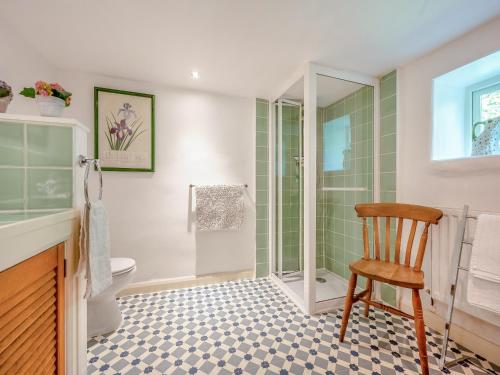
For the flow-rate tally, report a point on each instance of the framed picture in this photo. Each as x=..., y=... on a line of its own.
x=124, y=130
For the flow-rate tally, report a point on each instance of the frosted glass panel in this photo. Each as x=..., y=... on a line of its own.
x=50, y=188
x=50, y=146
x=11, y=144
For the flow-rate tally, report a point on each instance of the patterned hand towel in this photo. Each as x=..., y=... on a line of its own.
x=219, y=207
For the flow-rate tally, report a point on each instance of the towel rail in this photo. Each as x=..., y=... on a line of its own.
x=87, y=163
x=460, y=241
x=192, y=185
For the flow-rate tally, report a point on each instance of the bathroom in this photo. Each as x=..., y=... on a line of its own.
x=267, y=100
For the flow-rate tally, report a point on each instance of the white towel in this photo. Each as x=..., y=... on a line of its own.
x=219, y=207
x=95, y=252
x=483, y=287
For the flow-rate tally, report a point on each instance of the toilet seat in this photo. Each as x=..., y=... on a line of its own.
x=119, y=266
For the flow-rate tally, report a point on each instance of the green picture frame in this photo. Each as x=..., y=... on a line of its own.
x=121, y=139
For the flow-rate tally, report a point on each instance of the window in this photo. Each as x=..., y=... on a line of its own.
x=485, y=106
x=336, y=144
x=466, y=111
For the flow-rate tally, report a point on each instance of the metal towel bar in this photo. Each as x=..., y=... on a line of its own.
x=192, y=186
x=460, y=241
x=87, y=163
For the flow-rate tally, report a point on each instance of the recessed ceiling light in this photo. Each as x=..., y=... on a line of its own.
x=195, y=75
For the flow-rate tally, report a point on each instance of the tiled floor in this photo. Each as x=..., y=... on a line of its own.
x=250, y=327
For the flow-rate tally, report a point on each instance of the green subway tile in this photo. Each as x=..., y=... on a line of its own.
x=388, y=181
x=261, y=139
x=50, y=188
x=262, y=226
x=261, y=154
x=11, y=144
x=262, y=256
x=261, y=211
x=387, y=196
x=261, y=197
x=261, y=182
x=388, y=87
x=388, y=124
x=11, y=189
x=50, y=146
x=261, y=168
x=262, y=270
x=261, y=108
x=388, y=294
x=388, y=106
x=388, y=144
x=388, y=163
x=262, y=240
x=261, y=124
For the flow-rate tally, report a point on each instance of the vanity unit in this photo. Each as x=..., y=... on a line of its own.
x=42, y=309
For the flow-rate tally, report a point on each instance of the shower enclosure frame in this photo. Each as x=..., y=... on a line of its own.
x=310, y=73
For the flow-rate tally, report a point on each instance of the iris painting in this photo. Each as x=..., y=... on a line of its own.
x=123, y=128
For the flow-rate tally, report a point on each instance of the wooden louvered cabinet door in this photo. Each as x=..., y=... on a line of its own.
x=32, y=315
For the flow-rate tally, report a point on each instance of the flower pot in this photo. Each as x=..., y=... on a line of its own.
x=50, y=105
x=4, y=103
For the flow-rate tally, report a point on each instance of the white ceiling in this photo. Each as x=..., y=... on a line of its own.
x=240, y=47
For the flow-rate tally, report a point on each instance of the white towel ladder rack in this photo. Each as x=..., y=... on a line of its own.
x=456, y=267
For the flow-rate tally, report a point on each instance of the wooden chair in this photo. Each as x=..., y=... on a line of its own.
x=392, y=272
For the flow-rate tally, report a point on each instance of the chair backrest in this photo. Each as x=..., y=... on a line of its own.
x=415, y=213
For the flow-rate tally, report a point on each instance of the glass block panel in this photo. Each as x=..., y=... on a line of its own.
x=50, y=188
x=11, y=144
x=11, y=189
x=50, y=146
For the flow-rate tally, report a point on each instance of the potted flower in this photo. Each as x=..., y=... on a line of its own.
x=50, y=97
x=5, y=96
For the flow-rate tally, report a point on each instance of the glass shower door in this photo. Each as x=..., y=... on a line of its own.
x=289, y=190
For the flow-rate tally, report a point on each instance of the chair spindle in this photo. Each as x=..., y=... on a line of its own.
x=376, y=238
x=388, y=239
x=409, y=246
x=397, y=248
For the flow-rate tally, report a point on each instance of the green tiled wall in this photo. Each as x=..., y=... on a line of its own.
x=262, y=178
x=339, y=235
x=35, y=166
x=388, y=160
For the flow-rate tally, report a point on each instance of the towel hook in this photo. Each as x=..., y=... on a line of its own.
x=87, y=163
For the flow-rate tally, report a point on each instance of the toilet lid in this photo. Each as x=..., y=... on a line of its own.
x=121, y=265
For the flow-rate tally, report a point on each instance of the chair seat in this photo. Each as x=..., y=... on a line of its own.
x=390, y=273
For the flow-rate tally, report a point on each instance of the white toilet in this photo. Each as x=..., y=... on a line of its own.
x=103, y=313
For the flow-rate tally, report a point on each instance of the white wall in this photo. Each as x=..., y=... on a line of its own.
x=201, y=138
x=418, y=182
x=21, y=66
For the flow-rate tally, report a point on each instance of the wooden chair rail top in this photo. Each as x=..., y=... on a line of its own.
x=406, y=211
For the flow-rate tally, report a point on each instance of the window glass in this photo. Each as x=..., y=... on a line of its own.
x=336, y=143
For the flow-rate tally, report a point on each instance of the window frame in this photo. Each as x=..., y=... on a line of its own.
x=472, y=106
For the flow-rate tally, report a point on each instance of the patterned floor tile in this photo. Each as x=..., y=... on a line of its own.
x=251, y=327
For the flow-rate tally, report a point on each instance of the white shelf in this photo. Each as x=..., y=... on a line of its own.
x=42, y=120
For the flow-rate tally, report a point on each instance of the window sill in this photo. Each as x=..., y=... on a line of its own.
x=469, y=165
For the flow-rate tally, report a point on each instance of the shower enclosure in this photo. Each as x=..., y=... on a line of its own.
x=324, y=141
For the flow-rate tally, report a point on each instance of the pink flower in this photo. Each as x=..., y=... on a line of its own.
x=57, y=86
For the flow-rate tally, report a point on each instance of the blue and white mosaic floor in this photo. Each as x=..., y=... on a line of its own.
x=250, y=327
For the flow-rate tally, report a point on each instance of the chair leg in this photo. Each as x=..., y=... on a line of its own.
x=348, y=305
x=369, y=285
x=420, y=331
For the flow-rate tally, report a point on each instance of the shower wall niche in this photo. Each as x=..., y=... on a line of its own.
x=323, y=132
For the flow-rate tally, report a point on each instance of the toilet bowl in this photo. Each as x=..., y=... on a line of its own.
x=103, y=313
